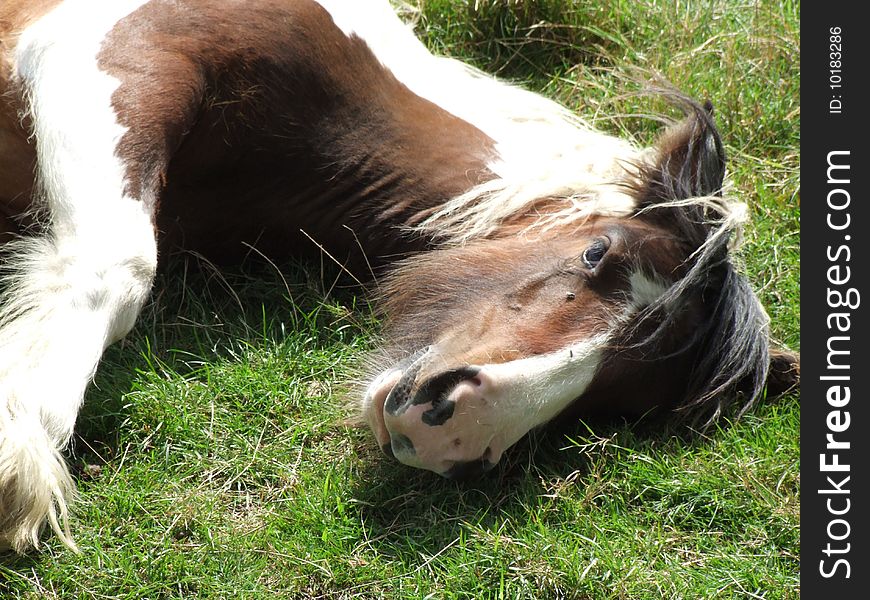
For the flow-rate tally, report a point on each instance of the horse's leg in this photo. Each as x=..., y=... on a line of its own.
x=79, y=287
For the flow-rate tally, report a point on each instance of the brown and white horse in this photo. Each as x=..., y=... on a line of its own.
x=545, y=269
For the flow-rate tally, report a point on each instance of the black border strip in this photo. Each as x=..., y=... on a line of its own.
x=835, y=228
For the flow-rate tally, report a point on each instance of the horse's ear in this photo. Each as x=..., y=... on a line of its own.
x=784, y=373
x=688, y=159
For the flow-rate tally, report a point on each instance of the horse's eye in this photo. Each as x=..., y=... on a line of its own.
x=594, y=253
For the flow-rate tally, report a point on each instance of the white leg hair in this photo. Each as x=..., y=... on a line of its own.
x=77, y=289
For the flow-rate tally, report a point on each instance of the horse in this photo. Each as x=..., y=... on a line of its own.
x=530, y=267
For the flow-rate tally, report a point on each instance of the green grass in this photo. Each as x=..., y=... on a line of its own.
x=213, y=462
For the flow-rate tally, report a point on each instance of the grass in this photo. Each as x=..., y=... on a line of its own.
x=211, y=457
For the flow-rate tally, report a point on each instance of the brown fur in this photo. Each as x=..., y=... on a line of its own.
x=249, y=122
x=253, y=121
x=17, y=155
x=511, y=298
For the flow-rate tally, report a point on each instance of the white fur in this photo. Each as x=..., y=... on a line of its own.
x=541, y=387
x=80, y=287
x=645, y=289
x=509, y=399
x=532, y=391
x=494, y=410
x=542, y=150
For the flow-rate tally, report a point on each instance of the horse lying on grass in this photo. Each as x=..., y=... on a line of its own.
x=536, y=267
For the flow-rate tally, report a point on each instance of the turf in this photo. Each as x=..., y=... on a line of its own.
x=212, y=457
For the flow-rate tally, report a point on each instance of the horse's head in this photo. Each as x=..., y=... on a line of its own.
x=490, y=339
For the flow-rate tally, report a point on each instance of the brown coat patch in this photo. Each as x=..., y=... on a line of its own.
x=250, y=121
x=17, y=155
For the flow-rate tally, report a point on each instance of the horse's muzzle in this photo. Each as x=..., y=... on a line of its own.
x=434, y=391
x=438, y=422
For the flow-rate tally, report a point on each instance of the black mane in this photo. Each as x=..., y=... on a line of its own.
x=729, y=345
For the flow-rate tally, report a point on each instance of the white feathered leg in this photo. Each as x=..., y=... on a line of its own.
x=76, y=290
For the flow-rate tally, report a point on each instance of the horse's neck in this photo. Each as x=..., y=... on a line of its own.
x=348, y=174
x=401, y=164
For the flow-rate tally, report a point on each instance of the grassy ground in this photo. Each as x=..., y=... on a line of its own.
x=212, y=460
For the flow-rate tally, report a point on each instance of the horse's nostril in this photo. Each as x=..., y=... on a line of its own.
x=398, y=398
x=401, y=445
x=434, y=389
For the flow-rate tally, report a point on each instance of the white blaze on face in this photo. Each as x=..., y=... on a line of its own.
x=494, y=408
x=530, y=392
